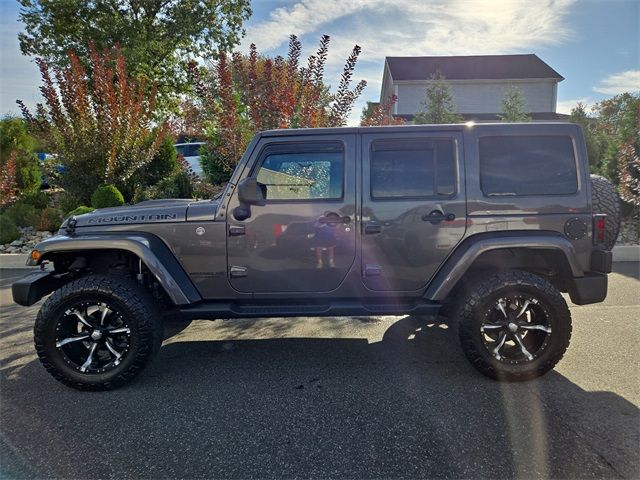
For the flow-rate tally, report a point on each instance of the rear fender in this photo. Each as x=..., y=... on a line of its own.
x=459, y=262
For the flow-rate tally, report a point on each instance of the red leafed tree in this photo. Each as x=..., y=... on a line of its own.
x=8, y=181
x=380, y=114
x=629, y=173
x=244, y=94
x=101, y=125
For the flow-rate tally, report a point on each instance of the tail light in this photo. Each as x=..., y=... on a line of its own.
x=599, y=228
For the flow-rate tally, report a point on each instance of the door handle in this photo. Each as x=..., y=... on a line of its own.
x=437, y=216
x=237, y=272
x=333, y=219
x=372, y=228
x=236, y=230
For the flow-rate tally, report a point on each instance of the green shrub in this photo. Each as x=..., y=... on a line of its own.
x=50, y=219
x=82, y=209
x=29, y=175
x=176, y=186
x=106, y=196
x=163, y=164
x=144, y=193
x=204, y=189
x=24, y=215
x=66, y=201
x=8, y=230
x=40, y=200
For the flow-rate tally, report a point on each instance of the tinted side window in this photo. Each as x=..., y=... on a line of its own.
x=189, y=150
x=412, y=168
x=304, y=172
x=528, y=165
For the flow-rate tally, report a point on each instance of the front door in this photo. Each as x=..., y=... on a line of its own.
x=302, y=238
x=413, y=209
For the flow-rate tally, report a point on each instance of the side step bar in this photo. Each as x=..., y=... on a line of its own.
x=215, y=310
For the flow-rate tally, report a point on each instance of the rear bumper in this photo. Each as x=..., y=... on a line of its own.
x=32, y=287
x=601, y=261
x=592, y=288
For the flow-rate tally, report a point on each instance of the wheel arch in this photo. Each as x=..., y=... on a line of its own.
x=149, y=249
x=531, y=251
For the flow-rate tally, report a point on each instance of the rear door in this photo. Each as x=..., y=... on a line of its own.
x=413, y=206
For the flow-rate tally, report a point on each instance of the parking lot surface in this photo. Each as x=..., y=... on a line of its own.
x=391, y=397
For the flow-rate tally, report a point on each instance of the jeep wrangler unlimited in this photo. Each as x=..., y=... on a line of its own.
x=492, y=221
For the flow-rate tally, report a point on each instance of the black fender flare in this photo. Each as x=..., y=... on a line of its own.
x=470, y=249
x=152, y=251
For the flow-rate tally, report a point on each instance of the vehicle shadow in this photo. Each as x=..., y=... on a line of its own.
x=408, y=406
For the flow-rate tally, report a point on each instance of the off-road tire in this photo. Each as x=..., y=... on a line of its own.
x=142, y=316
x=474, y=302
x=604, y=199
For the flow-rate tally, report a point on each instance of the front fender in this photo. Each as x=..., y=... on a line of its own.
x=150, y=249
x=469, y=250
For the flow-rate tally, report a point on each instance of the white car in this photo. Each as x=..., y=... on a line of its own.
x=191, y=153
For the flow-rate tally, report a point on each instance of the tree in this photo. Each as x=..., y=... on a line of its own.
x=244, y=94
x=157, y=38
x=513, y=107
x=16, y=143
x=438, y=106
x=616, y=125
x=8, y=183
x=101, y=127
x=629, y=173
x=376, y=114
x=595, y=143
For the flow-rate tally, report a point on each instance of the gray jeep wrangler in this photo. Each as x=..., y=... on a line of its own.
x=491, y=221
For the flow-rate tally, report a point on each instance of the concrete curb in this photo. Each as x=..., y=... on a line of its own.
x=621, y=253
x=14, y=260
x=626, y=253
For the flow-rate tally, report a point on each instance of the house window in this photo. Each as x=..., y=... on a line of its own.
x=412, y=168
x=528, y=165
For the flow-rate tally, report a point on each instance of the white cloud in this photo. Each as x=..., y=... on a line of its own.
x=427, y=27
x=565, y=106
x=622, y=82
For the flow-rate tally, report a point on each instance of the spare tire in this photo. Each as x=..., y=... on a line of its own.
x=604, y=199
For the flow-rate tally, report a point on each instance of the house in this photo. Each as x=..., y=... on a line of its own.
x=478, y=84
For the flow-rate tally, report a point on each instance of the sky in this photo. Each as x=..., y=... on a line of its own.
x=594, y=44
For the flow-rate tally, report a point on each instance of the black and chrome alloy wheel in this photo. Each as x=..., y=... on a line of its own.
x=98, y=332
x=516, y=329
x=93, y=336
x=513, y=325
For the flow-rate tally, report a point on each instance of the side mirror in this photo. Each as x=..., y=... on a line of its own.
x=250, y=192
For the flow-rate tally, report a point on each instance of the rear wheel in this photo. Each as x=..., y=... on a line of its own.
x=97, y=332
x=513, y=325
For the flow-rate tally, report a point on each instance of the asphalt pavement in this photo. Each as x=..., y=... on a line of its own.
x=391, y=397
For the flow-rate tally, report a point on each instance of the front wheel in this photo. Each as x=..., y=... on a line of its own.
x=513, y=325
x=97, y=332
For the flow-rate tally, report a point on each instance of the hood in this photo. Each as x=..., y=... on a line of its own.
x=151, y=211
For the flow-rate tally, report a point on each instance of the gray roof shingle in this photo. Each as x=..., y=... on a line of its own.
x=480, y=67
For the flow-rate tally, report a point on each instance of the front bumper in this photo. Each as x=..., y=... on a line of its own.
x=32, y=287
